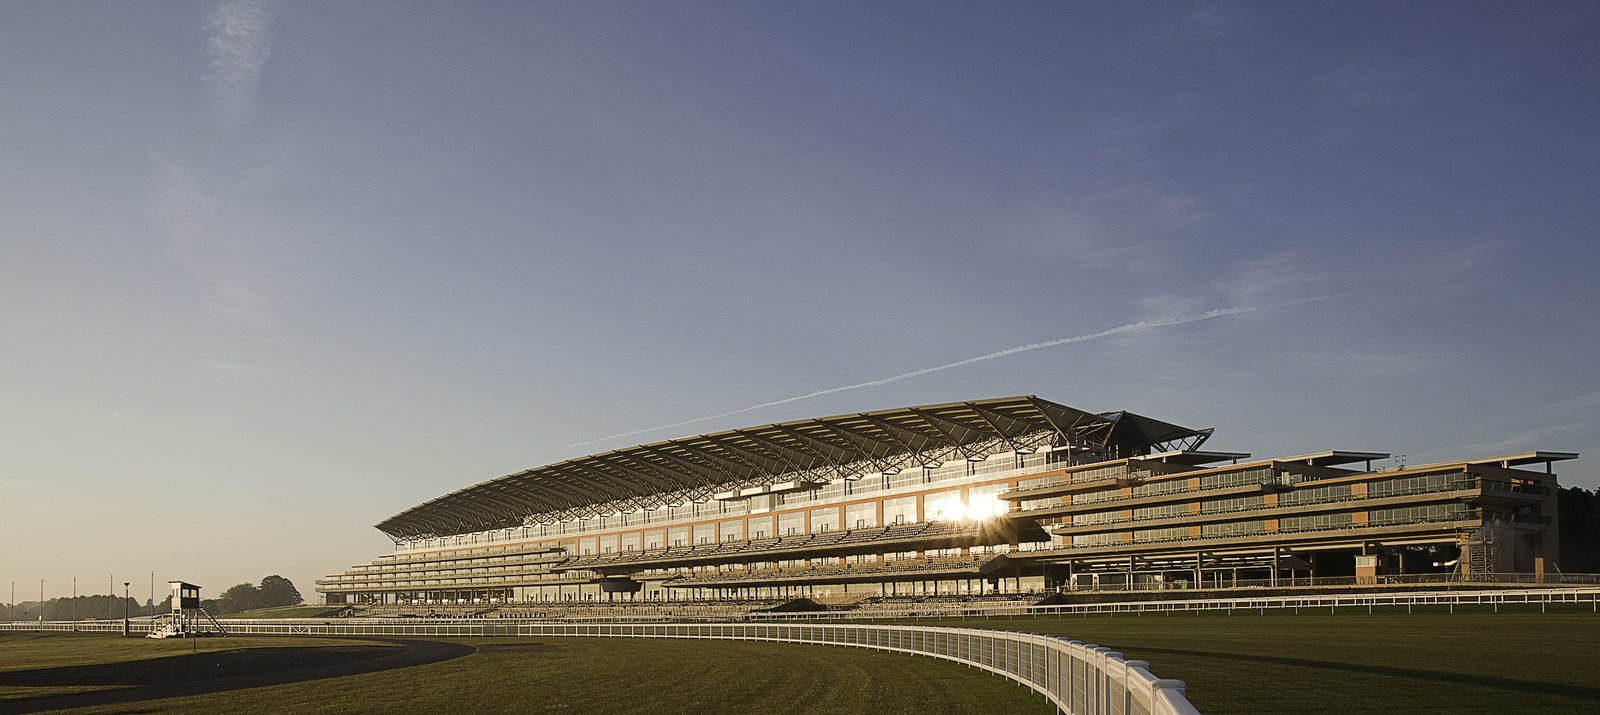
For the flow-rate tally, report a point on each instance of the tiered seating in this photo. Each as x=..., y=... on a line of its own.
x=950, y=565
x=842, y=541
x=422, y=611
x=720, y=609
x=950, y=604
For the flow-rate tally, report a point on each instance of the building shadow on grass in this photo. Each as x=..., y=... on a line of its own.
x=1472, y=679
x=218, y=671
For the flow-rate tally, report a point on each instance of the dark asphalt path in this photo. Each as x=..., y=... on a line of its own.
x=219, y=671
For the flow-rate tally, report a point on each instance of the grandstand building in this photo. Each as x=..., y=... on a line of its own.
x=1006, y=495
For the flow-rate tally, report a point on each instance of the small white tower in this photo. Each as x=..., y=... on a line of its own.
x=184, y=620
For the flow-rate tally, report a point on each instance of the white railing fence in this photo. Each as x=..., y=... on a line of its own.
x=1525, y=597
x=1078, y=678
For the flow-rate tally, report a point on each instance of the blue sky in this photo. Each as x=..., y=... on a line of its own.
x=275, y=271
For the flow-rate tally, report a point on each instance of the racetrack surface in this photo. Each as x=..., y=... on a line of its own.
x=218, y=671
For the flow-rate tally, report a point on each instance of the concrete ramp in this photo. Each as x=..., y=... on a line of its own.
x=798, y=605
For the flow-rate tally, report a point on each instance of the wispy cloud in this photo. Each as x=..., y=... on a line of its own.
x=1273, y=277
x=239, y=45
x=1363, y=83
x=1074, y=239
x=1536, y=438
x=206, y=234
x=1454, y=264
x=1572, y=419
x=1207, y=22
x=1135, y=327
x=1116, y=220
x=213, y=218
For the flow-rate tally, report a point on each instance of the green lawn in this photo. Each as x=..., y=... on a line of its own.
x=595, y=675
x=1473, y=661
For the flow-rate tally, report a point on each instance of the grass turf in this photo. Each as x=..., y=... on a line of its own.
x=518, y=675
x=29, y=651
x=1474, y=660
x=283, y=612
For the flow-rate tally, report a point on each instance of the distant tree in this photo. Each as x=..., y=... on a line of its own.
x=241, y=597
x=1580, y=530
x=278, y=591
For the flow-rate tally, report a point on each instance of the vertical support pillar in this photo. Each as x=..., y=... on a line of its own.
x=1538, y=556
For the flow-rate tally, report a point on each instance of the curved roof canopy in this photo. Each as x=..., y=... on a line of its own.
x=821, y=449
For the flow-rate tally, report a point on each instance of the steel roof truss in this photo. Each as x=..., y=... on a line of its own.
x=765, y=464
x=824, y=467
x=651, y=477
x=769, y=451
x=955, y=432
x=671, y=478
x=917, y=444
x=452, y=510
x=871, y=450
x=605, y=484
x=745, y=472
x=707, y=474
x=830, y=453
x=1074, y=429
x=1007, y=427
x=522, y=499
x=772, y=470
x=573, y=498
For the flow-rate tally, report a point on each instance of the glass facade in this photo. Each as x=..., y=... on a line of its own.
x=1097, y=509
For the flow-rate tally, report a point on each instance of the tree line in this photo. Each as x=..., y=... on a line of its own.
x=271, y=592
x=1579, y=510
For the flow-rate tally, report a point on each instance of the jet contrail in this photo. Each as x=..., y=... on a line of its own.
x=1120, y=329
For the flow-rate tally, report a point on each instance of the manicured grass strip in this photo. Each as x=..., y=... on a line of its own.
x=30, y=651
x=12, y=692
x=1518, y=660
x=283, y=612
x=624, y=675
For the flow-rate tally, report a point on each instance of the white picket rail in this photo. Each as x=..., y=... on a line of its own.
x=1076, y=677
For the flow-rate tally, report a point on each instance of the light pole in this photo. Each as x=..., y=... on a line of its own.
x=124, y=609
